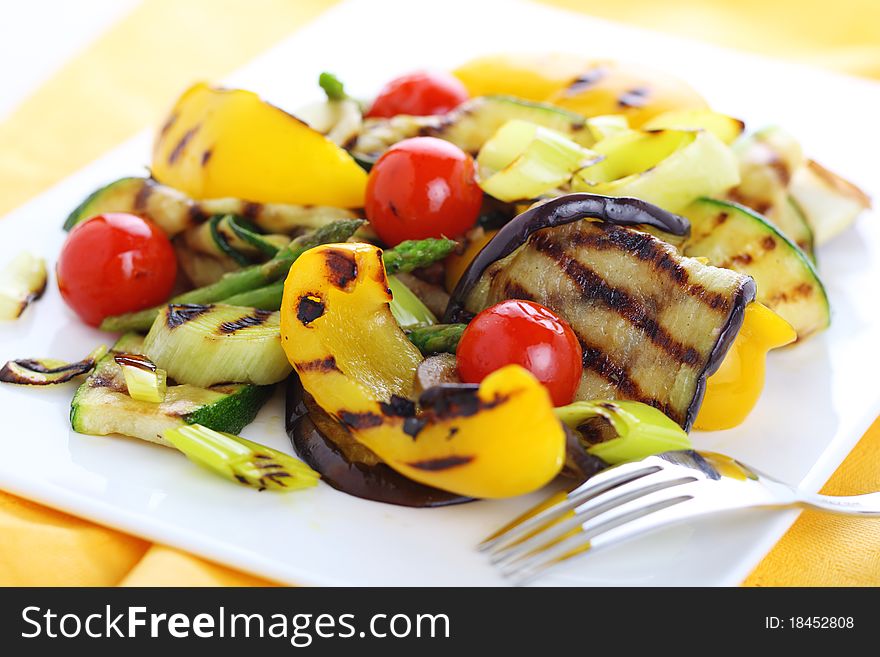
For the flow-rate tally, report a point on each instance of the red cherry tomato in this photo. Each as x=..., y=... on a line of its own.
x=422, y=187
x=115, y=263
x=522, y=333
x=421, y=94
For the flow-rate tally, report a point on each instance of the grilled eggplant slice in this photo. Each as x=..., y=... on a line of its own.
x=348, y=465
x=173, y=211
x=735, y=237
x=653, y=324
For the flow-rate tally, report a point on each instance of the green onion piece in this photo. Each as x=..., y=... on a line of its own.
x=145, y=381
x=628, y=430
x=332, y=86
x=523, y=160
x=407, y=308
x=241, y=460
x=22, y=281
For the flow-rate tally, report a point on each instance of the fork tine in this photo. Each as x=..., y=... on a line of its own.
x=595, y=507
x=637, y=515
x=530, y=521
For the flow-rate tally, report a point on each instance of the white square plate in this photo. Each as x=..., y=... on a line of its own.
x=819, y=399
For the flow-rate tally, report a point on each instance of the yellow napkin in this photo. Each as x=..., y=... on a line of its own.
x=124, y=80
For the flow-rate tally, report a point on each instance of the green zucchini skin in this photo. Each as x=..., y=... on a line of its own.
x=101, y=405
x=174, y=212
x=735, y=237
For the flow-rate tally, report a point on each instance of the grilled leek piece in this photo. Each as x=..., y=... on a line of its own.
x=103, y=406
x=207, y=345
x=653, y=324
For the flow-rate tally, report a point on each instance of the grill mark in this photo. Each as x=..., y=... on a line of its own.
x=181, y=313
x=206, y=156
x=309, y=308
x=769, y=243
x=322, y=365
x=648, y=249
x=800, y=291
x=452, y=400
x=592, y=286
x=587, y=80
x=341, y=268
x=258, y=318
x=197, y=214
x=398, y=407
x=143, y=196
x=251, y=210
x=634, y=98
x=359, y=420
x=597, y=361
x=444, y=463
x=741, y=259
x=184, y=140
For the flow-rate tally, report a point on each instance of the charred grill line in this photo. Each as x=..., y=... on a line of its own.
x=341, y=268
x=592, y=286
x=309, y=308
x=143, y=196
x=258, y=318
x=184, y=140
x=647, y=249
x=435, y=465
x=181, y=313
x=325, y=365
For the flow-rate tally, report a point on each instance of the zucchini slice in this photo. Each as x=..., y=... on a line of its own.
x=734, y=237
x=652, y=323
x=471, y=124
x=102, y=405
x=174, y=211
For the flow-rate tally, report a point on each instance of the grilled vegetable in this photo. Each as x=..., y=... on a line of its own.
x=103, y=406
x=495, y=440
x=207, y=345
x=523, y=75
x=523, y=160
x=653, y=325
x=637, y=92
x=246, y=280
x=348, y=465
x=830, y=203
x=48, y=371
x=145, y=382
x=407, y=308
x=621, y=431
x=734, y=237
x=733, y=391
x=415, y=254
x=22, y=281
x=221, y=143
x=726, y=128
x=174, y=212
x=767, y=161
x=669, y=168
x=234, y=241
x=241, y=460
x=440, y=338
x=471, y=124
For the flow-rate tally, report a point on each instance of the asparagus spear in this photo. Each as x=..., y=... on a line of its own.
x=413, y=254
x=244, y=280
x=406, y=256
x=436, y=339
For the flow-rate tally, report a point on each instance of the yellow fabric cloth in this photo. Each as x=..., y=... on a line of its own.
x=123, y=81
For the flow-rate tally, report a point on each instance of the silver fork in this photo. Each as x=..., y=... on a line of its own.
x=635, y=498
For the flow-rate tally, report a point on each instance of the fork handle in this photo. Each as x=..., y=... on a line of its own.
x=867, y=505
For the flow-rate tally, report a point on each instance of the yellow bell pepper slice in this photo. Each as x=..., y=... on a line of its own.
x=725, y=127
x=639, y=93
x=457, y=263
x=669, y=168
x=528, y=76
x=500, y=440
x=221, y=143
x=733, y=391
